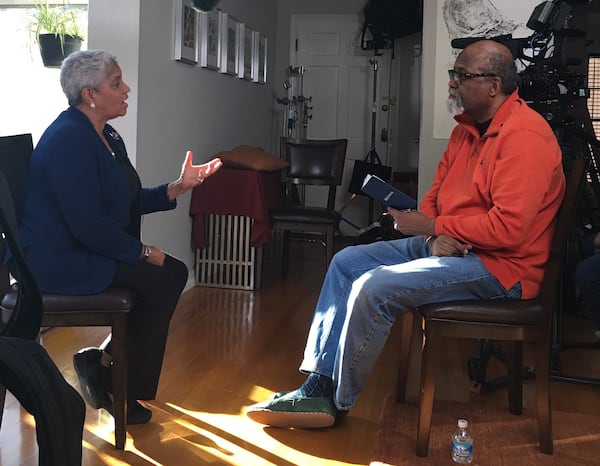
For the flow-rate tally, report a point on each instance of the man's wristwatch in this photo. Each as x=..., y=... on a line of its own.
x=147, y=252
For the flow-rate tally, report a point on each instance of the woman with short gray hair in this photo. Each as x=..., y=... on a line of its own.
x=80, y=227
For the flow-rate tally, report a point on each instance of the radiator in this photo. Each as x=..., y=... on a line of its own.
x=228, y=260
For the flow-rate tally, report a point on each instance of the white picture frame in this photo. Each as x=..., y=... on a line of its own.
x=261, y=74
x=254, y=66
x=209, y=37
x=246, y=53
x=186, y=32
x=228, y=36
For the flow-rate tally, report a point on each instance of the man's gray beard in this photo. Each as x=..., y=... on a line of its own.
x=454, y=105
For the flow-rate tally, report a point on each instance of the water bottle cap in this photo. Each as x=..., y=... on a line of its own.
x=463, y=423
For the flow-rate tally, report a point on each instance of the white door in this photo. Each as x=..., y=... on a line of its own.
x=338, y=78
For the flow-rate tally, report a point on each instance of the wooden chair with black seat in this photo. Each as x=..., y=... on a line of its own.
x=312, y=163
x=511, y=321
x=107, y=309
x=26, y=370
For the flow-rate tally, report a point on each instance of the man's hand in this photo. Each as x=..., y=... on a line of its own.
x=412, y=222
x=446, y=246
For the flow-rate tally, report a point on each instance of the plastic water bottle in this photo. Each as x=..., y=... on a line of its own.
x=462, y=443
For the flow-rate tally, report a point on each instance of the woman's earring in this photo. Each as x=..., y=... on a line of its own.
x=92, y=105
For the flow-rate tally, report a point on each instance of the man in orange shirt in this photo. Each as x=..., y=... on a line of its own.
x=483, y=231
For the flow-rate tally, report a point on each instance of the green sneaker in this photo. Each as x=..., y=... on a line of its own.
x=286, y=410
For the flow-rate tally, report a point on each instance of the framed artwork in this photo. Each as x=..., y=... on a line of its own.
x=254, y=66
x=246, y=53
x=186, y=32
x=228, y=36
x=209, y=31
x=261, y=68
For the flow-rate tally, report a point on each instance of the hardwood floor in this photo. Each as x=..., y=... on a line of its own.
x=228, y=349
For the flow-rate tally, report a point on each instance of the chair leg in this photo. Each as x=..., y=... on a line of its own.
x=427, y=388
x=285, y=253
x=543, y=402
x=330, y=246
x=2, y=399
x=514, y=364
x=405, y=344
x=119, y=379
x=258, y=268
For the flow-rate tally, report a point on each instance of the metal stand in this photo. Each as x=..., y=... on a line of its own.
x=477, y=368
x=296, y=113
x=372, y=155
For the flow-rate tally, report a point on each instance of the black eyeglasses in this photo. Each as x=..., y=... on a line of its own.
x=459, y=78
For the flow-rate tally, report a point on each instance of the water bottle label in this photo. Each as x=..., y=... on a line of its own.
x=462, y=450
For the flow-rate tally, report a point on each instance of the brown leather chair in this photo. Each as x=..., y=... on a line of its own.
x=513, y=321
x=107, y=309
x=317, y=163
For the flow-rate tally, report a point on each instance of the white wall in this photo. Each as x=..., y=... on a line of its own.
x=431, y=148
x=174, y=107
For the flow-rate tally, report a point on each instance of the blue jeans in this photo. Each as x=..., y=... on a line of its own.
x=366, y=287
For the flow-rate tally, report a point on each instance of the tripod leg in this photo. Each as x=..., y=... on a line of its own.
x=477, y=366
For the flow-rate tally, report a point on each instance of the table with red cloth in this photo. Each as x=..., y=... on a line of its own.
x=231, y=191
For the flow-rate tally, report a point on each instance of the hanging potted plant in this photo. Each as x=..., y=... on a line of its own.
x=56, y=31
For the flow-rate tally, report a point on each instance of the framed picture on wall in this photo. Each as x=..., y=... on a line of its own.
x=245, y=52
x=261, y=68
x=228, y=35
x=209, y=30
x=186, y=32
x=254, y=66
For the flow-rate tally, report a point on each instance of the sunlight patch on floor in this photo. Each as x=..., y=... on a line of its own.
x=258, y=393
x=238, y=440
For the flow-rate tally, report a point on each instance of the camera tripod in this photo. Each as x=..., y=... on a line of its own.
x=588, y=221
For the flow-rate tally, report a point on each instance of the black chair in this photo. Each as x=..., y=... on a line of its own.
x=26, y=370
x=107, y=309
x=511, y=321
x=312, y=163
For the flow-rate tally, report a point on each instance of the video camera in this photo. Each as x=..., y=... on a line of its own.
x=546, y=83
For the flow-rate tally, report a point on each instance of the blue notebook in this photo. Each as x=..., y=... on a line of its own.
x=387, y=194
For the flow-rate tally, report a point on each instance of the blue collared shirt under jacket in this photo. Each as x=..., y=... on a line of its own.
x=82, y=208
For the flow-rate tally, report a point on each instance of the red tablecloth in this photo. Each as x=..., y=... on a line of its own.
x=231, y=191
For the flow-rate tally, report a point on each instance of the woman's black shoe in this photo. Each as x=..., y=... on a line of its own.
x=136, y=413
x=93, y=377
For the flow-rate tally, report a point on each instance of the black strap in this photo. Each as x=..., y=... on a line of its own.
x=26, y=319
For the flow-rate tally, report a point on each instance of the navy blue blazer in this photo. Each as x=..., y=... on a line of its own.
x=79, y=217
